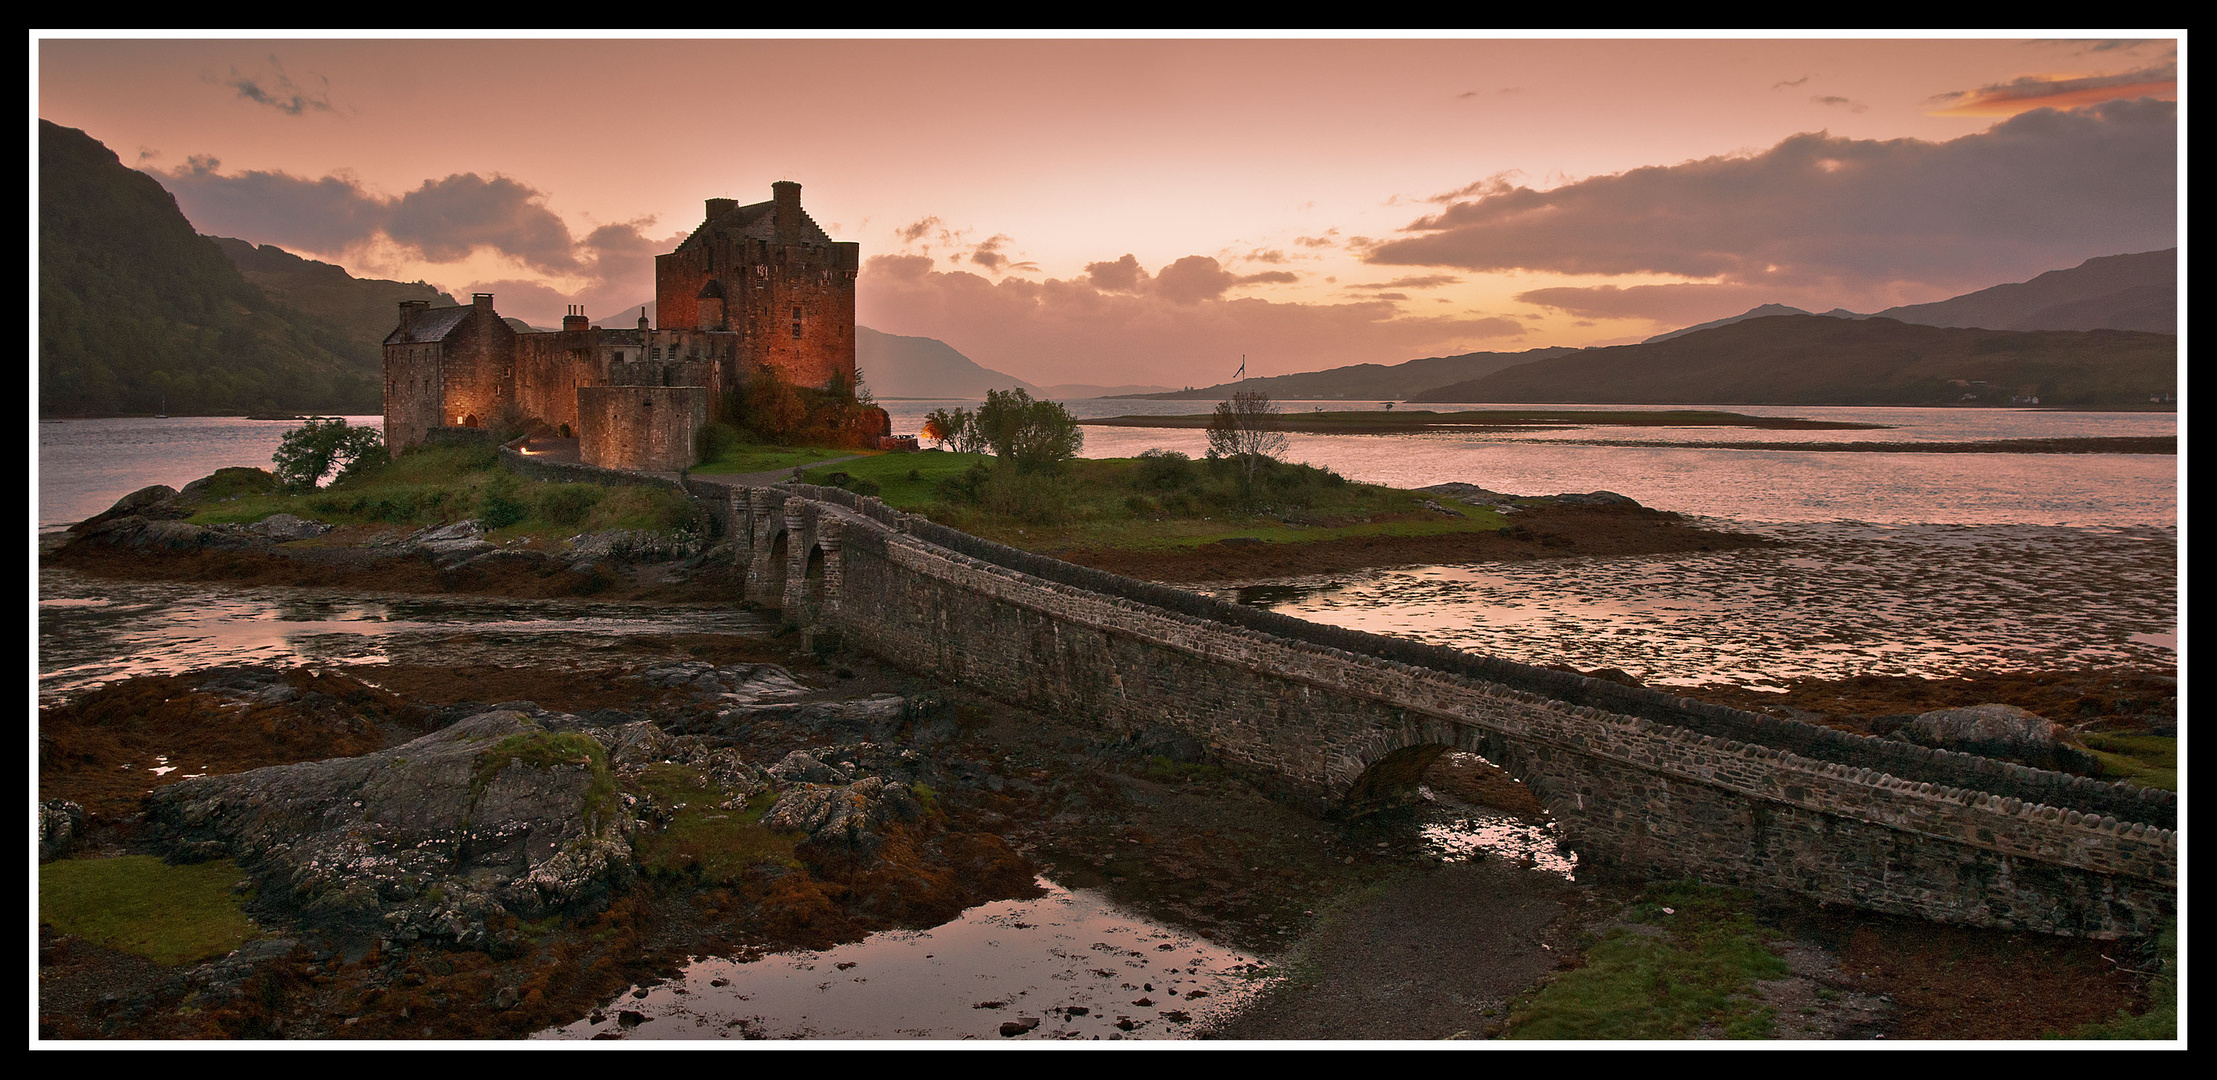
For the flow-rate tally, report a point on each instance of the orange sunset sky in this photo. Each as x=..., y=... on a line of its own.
x=1148, y=211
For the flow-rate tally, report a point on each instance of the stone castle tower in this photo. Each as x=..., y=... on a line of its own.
x=767, y=273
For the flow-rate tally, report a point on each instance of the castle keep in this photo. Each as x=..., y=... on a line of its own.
x=753, y=286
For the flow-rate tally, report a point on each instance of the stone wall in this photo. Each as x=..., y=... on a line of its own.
x=1640, y=783
x=641, y=428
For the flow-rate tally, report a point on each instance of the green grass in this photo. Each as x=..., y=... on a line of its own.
x=2144, y=760
x=1696, y=974
x=1134, y=504
x=716, y=846
x=757, y=457
x=139, y=904
x=436, y=485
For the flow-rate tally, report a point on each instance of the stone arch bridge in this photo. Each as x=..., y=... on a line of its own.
x=1640, y=782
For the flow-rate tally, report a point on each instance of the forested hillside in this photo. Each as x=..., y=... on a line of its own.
x=140, y=314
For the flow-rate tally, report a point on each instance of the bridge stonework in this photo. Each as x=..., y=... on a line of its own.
x=1803, y=811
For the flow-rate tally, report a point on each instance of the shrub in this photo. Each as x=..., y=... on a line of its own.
x=502, y=504
x=312, y=451
x=715, y=439
x=1164, y=470
x=968, y=487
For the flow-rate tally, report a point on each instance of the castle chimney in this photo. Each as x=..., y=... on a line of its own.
x=642, y=316
x=788, y=196
x=575, y=319
x=719, y=207
x=409, y=309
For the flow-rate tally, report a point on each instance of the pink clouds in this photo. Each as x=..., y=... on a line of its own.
x=1175, y=326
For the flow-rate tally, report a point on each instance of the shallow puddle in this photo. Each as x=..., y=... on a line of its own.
x=1068, y=965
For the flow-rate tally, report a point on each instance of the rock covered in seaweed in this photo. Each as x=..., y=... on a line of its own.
x=504, y=813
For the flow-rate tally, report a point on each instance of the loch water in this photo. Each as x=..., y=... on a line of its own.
x=1893, y=563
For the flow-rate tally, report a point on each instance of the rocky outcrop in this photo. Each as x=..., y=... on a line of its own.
x=845, y=796
x=1999, y=731
x=509, y=812
x=60, y=824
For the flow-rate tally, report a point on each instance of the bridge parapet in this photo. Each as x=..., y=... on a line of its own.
x=1659, y=786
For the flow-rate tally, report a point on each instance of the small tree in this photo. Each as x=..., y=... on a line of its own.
x=321, y=447
x=1029, y=434
x=1245, y=430
x=946, y=427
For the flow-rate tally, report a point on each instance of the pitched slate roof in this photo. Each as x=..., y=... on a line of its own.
x=431, y=324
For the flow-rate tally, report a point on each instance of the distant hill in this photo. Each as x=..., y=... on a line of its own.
x=920, y=367
x=366, y=308
x=2115, y=292
x=1074, y=391
x=1367, y=382
x=139, y=314
x=1820, y=360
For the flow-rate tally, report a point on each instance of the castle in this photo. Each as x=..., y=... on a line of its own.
x=757, y=285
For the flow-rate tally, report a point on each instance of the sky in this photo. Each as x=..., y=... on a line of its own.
x=1154, y=210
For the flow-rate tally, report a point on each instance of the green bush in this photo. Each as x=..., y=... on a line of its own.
x=968, y=487
x=315, y=449
x=717, y=439
x=1164, y=470
x=502, y=504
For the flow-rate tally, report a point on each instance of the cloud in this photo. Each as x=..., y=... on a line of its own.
x=1677, y=304
x=988, y=255
x=1836, y=100
x=1123, y=275
x=1193, y=279
x=1162, y=327
x=278, y=91
x=2028, y=92
x=923, y=227
x=1419, y=281
x=2041, y=190
x=443, y=221
x=325, y=215
x=1789, y=83
x=447, y=219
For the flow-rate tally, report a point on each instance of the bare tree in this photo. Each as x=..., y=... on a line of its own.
x=1245, y=430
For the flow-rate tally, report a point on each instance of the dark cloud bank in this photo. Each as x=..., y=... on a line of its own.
x=1837, y=220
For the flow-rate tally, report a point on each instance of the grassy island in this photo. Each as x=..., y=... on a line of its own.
x=1165, y=517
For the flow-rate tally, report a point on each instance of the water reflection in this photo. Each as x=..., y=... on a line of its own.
x=1068, y=965
x=94, y=632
